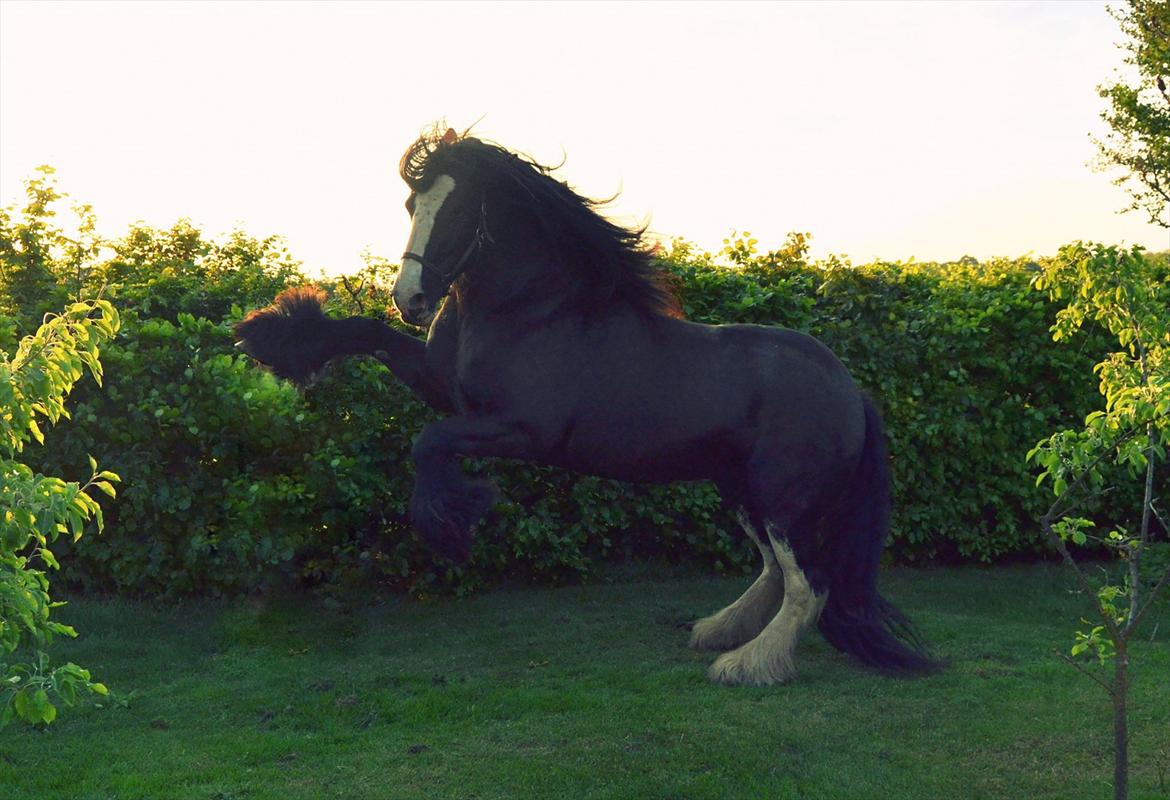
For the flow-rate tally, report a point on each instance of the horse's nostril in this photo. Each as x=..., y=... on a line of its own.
x=417, y=302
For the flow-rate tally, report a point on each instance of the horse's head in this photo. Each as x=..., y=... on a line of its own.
x=582, y=259
x=447, y=206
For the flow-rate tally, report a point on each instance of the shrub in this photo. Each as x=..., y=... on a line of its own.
x=957, y=356
x=235, y=480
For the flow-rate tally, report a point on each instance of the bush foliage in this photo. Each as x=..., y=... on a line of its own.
x=234, y=479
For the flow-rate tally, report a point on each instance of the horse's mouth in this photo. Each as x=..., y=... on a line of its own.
x=419, y=319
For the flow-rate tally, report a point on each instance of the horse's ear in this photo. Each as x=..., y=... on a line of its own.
x=450, y=137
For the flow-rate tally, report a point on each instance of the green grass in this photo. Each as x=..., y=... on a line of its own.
x=583, y=692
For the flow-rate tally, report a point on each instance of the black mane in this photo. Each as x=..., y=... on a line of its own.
x=607, y=261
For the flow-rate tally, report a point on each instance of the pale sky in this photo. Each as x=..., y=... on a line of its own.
x=887, y=130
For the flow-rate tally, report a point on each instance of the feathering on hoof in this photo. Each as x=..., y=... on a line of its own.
x=290, y=336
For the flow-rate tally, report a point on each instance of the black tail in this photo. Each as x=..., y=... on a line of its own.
x=856, y=619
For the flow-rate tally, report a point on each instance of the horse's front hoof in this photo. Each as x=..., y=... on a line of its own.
x=447, y=518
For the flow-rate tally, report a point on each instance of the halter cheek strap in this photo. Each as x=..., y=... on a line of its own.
x=446, y=278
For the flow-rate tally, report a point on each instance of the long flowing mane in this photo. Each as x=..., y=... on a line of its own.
x=607, y=261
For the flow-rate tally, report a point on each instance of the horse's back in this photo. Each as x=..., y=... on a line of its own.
x=794, y=392
x=668, y=399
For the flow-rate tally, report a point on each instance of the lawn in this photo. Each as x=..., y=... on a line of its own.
x=583, y=692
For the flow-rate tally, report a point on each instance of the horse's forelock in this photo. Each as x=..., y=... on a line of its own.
x=414, y=167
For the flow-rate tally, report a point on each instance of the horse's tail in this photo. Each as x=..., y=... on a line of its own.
x=856, y=619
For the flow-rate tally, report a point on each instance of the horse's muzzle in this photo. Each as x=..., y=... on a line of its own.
x=417, y=310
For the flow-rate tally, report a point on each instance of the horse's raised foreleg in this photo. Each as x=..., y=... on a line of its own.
x=446, y=504
x=406, y=359
x=411, y=360
x=742, y=620
x=768, y=658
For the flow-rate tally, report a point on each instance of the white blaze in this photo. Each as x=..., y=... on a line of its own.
x=426, y=210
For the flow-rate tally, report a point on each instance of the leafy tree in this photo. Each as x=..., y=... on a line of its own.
x=1139, y=113
x=35, y=510
x=40, y=266
x=1127, y=294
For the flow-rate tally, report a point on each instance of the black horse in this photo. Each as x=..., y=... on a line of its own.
x=560, y=342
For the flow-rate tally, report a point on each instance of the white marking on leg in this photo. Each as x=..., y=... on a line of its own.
x=426, y=210
x=746, y=617
x=768, y=659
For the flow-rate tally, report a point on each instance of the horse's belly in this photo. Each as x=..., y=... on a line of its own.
x=648, y=455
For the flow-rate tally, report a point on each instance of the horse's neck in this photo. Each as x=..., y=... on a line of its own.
x=515, y=283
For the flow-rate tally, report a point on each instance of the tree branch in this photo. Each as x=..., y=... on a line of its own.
x=1076, y=484
x=355, y=294
x=1136, y=619
x=1151, y=180
x=1151, y=596
x=1115, y=633
x=1081, y=669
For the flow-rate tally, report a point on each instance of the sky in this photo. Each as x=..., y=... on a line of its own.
x=887, y=130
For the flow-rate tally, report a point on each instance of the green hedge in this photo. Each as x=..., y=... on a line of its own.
x=233, y=479
x=959, y=358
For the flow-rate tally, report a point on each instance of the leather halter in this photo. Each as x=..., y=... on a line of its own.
x=447, y=277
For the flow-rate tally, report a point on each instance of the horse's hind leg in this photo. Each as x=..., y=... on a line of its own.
x=768, y=658
x=742, y=620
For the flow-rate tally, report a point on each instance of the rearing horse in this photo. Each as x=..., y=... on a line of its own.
x=553, y=338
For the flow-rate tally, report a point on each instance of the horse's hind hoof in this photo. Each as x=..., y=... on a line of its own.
x=744, y=667
x=709, y=636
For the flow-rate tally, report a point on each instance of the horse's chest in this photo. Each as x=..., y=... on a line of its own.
x=475, y=396
x=479, y=386
x=497, y=377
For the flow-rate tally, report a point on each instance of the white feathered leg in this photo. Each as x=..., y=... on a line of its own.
x=768, y=658
x=742, y=620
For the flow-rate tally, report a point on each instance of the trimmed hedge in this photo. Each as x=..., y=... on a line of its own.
x=960, y=360
x=233, y=479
